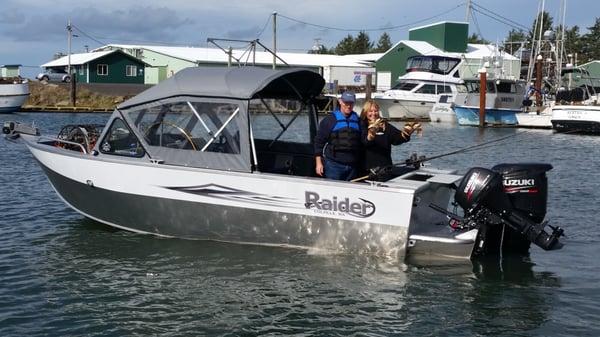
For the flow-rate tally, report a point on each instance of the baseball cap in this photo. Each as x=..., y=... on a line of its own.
x=348, y=96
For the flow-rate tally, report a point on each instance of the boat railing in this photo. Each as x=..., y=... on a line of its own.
x=56, y=140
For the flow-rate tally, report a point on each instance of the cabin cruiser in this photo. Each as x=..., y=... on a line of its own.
x=415, y=93
x=204, y=155
x=14, y=92
x=503, y=101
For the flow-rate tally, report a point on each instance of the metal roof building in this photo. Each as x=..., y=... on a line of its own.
x=111, y=66
x=164, y=61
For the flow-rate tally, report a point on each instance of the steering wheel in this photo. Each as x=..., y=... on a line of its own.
x=177, y=127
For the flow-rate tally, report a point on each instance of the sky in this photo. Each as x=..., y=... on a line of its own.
x=32, y=31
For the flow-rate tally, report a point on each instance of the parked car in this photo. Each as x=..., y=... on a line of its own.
x=54, y=75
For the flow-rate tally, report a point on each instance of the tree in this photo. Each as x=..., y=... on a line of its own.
x=514, y=40
x=590, y=43
x=384, y=44
x=362, y=44
x=474, y=38
x=345, y=46
x=321, y=50
x=534, y=33
x=572, y=41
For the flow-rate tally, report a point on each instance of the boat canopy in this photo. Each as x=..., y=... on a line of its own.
x=200, y=116
x=234, y=82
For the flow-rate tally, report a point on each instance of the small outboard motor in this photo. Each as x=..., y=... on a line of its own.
x=13, y=129
x=510, y=194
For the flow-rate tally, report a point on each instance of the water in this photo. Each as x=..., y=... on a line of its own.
x=64, y=275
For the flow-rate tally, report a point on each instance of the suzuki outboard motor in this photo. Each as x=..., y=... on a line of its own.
x=513, y=195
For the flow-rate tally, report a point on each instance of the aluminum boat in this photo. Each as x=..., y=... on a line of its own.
x=188, y=159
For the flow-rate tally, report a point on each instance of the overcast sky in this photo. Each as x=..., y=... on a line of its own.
x=31, y=31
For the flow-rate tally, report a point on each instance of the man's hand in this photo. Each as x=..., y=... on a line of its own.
x=319, y=170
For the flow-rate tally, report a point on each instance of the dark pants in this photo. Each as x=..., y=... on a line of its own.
x=339, y=171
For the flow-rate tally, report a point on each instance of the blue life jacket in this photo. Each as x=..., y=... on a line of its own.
x=345, y=134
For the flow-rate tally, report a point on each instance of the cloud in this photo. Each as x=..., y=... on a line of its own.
x=151, y=23
x=249, y=33
x=11, y=16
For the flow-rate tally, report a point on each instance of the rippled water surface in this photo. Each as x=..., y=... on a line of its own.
x=64, y=275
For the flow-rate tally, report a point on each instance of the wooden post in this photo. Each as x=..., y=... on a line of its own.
x=482, y=92
x=335, y=92
x=73, y=91
x=538, y=83
x=368, y=88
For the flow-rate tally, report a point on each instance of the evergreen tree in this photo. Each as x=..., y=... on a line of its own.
x=590, y=44
x=573, y=40
x=362, y=43
x=321, y=50
x=511, y=43
x=475, y=38
x=384, y=44
x=534, y=33
x=345, y=46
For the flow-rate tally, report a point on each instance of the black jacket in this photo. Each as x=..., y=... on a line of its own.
x=378, y=152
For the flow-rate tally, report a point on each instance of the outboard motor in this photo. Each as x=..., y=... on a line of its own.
x=510, y=194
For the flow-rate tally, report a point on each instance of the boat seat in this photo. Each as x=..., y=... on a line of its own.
x=285, y=158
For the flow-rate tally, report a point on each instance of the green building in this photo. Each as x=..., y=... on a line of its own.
x=593, y=69
x=112, y=66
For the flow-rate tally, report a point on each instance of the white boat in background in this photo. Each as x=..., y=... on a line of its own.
x=13, y=94
x=503, y=101
x=419, y=89
x=577, y=109
x=443, y=110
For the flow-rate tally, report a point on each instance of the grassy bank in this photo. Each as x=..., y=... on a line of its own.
x=57, y=95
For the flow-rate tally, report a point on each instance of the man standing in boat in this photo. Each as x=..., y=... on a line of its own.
x=338, y=146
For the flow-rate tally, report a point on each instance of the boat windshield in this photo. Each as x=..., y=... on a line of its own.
x=185, y=125
x=433, y=64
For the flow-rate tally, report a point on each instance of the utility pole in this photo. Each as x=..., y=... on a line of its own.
x=467, y=16
x=73, y=91
x=274, y=39
x=69, y=36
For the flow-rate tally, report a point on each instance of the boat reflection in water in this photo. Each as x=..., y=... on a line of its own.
x=186, y=159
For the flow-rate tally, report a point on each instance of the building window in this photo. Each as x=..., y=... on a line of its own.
x=130, y=70
x=103, y=69
x=81, y=70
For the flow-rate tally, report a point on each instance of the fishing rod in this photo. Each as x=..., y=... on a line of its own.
x=416, y=162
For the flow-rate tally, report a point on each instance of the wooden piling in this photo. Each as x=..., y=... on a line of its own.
x=482, y=92
x=368, y=88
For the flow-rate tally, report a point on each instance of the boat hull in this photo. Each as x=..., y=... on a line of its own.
x=470, y=116
x=13, y=96
x=443, y=113
x=204, y=209
x=399, y=109
x=576, y=119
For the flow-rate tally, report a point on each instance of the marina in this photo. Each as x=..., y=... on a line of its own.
x=48, y=250
x=186, y=170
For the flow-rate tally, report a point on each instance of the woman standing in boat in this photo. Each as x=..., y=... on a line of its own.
x=378, y=136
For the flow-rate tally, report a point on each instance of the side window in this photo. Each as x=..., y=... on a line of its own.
x=119, y=140
x=102, y=69
x=426, y=89
x=197, y=126
x=443, y=89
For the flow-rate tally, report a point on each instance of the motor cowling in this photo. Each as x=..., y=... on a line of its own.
x=509, y=194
